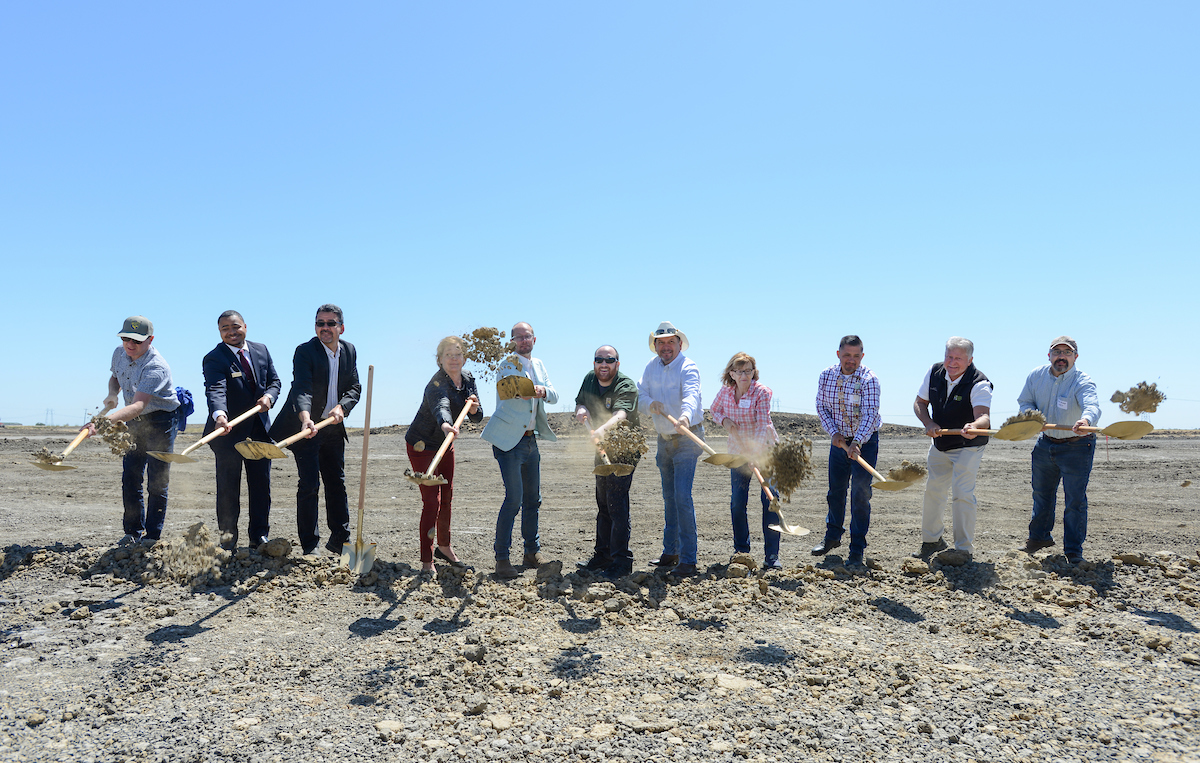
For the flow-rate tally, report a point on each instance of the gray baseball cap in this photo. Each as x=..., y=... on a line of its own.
x=1068, y=341
x=137, y=327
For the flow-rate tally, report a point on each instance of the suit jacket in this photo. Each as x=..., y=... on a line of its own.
x=227, y=389
x=507, y=425
x=310, y=386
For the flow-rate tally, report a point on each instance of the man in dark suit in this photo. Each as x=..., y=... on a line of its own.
x=324, y=384
x=239, y=375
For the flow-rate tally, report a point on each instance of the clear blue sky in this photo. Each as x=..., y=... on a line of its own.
x=769, y=176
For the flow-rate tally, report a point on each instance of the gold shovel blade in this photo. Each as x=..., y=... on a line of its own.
x=620, y=470
x=1020, y=430
x=783, y=526
x=421, y=478
x=727, y=459
x=890, y=486
x=171, y=458
x=59, y=467
x=508, y=387
x=255, y=450
x=359, y=557
x=1128, y=430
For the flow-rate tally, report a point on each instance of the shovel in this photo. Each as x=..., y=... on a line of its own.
x=182, y=456
x=1018, y=430
x=56, y=463
x=720, y=459
x=884, y=483
x=508, y=387
x=1121, y=430
x=255, y=450
x=428, y=478
x=360, y=557
x=608, y=467
x=783, y=526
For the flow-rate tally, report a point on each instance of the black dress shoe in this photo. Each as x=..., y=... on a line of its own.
x=684, y=571
x=666, y=560
x=596, y=564
x=826, y=546
x=335, y=547
x=437, y=552
x=1032, y=545
x=617, y=570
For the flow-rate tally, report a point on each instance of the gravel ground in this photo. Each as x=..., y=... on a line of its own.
x=185, y=653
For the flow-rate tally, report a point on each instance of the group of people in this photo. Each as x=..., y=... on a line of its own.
x=953, y=402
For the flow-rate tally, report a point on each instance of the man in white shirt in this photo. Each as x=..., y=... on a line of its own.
x=961, y=397
x=513, y=430
x=670, y=386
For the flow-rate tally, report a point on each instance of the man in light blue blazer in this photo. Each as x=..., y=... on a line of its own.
x=513, y=430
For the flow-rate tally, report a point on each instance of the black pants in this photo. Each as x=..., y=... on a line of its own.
x=229, y=491
x=322, y=459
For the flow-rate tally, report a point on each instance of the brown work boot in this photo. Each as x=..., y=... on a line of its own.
x=533, y=560
x=505, y=570
x=666, y=560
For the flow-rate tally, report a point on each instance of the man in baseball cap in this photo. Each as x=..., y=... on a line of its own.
x=143, y=377
x=1064, y=395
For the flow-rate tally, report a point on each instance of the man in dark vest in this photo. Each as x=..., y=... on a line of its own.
x=961, y=397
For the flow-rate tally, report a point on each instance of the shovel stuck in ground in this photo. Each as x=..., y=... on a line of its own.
x=428, y=478
x=720, y=459
x=783, y=526
x=254, y=450
x=182, y=456
x=360, y=556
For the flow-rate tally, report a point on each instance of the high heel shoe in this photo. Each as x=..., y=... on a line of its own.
x=437, y=552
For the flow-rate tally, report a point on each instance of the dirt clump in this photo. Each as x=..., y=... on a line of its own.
x=624, y=444
x=907, y=471
x=1030, y=415
x=788, y=464
x=115, y=434
x=486, y=347
x=45, y=456
x=1144, y=398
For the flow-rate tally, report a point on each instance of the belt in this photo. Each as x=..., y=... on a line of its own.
x=1065, y=440
x=673, y=435
x=153, y=414
x=530, y=432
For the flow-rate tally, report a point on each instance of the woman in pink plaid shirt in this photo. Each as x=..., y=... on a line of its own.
x=743, y=408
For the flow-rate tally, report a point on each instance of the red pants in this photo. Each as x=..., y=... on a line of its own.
x=435, y=500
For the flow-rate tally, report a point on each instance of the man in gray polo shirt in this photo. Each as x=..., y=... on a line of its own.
x=143, y=377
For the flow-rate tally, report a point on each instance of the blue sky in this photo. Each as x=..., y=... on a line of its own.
x=768, y=176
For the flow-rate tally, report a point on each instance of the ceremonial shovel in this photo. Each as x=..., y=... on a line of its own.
x=359, y=556
x=254, y=450
x=1122, y=430
x=57, y=464
x=720, y=459
x=884, y=483
x=608, y=467
x=182, y=457
x=428, y=478
x=783, y=526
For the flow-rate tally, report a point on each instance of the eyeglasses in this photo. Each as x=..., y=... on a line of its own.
x=453, y=356
x=522, y=338
x=330, y=324
x=1061, y=353
x=599, y=359
x=132, y=341
x=742, y=372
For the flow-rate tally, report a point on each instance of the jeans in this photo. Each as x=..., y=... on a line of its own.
x=951, y=473
x=845, y=473
x=612, y=518
x=676, y=459
x=149, y=432
x=322, y=459
x=521, y=472
x=1071, y=464
x=739, y=484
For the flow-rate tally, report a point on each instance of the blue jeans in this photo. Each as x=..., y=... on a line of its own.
x=676, y=459
x=152, y=431
x=521, y=472
x=322, y=459
x=1070, y=463
x=739, y=485
x=844, y=473
x=612, y=518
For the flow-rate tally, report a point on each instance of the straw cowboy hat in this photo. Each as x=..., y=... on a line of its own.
x=667, y=329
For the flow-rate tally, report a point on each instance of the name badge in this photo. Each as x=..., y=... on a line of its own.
x=1062, y=404
x=855, y=399
x=744, y=403
x=608, y=403
x=237, y=374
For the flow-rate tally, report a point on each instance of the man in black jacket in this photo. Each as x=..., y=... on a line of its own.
x=961, y=397
x=324, y=385
x=239, y=375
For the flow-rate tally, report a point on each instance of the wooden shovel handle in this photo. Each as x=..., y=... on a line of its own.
x=691, y=434
x=862, y=462
x=362, y=478
x=1069, y=428
x=218, y=432
x=762, y=483
x=437, y=458
x=83, y=434
x=300, y=435
x=968, y=430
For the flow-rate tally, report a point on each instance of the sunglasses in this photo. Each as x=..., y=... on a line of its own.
x=132, y=341
x=599, y=359
x=323, y=324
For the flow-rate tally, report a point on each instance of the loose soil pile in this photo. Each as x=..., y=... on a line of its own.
x=624, y=444
x=1144, y=398
x=1032, y=415
x=485, y=347
x=907, y=471
x=788, y=465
